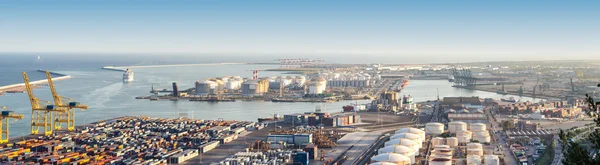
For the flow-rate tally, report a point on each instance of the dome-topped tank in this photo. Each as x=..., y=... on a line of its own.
x=475, y=146
x=398, y=159
x=412, y=130
x=452, y=142
x=398, y=149
x=411, y=136
x=404, y=142
x=455, y=126
x=434, y=128
x=440, y=161
x=477, y=127
x=473, y=160
x=382, y=163
x=491, y=160
x=437, y=141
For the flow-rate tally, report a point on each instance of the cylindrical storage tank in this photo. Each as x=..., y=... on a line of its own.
x=455, y=126
x=452, y=142
x=404, y=142
x=438, y=154
x=443, y=152
x=477, y=127
x=410, y=136
x=398, y=149
x=482, y=138
x=441, y=147
x=412, y=130
x=474, y=146
x=392, y=158
x=437, y=141
x=473, y=151
x=382, y=163
x=473, y=160
x=491, y=160
x=440, y=161
x=434, y=128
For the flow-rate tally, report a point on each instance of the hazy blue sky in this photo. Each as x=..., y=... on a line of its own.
x=556, y=29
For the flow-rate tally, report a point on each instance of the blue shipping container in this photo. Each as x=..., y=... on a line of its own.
x=301, y=157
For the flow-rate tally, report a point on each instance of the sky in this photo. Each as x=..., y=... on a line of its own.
x=463, y=29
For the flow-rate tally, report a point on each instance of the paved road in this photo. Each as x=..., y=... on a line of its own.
x=558, y=155
x=506, y=152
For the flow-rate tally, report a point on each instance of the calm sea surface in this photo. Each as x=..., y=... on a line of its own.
x=108, y=97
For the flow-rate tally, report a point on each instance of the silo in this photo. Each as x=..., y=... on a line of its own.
x=412, y=130
x=452, y=142
x=456, y=126
x=398, y=159
x=434, y=128
x=411, y=136
x=440, y=161
x=398, y=149
x=404, y=142
x=473, y=160
x=478, y=127
x=491, y=160
x=437, y=141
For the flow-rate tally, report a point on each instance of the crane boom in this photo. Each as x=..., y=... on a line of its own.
x=6, y=114
x=66, y=116
x=40, y=116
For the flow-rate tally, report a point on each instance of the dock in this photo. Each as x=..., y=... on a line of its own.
x=20, y=87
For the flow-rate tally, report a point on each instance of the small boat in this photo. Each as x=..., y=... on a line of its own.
x=510, y=100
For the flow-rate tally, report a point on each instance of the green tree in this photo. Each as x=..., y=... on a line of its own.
x=507, y=125
x=574, y=154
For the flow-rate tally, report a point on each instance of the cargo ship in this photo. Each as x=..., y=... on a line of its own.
x=128, y=76
x=274, y=118
x=282, y=100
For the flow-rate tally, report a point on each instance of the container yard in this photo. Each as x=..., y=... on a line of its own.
x=127, y=140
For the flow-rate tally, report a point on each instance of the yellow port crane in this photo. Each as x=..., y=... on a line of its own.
x=6, y=114
x=41, y=114
x=67, y=116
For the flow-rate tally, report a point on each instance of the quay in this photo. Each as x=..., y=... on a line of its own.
x=20, y=88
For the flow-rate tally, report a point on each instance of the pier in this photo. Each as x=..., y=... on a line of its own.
x=123, y=68
x=20, y=88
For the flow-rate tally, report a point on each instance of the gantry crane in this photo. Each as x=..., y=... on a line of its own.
x=6, y=115
x=67, y=116
x=41, y=114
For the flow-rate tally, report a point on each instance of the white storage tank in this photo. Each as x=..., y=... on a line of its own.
x=398, y=149
x=478, y=127
x=412, y=130
x=474, y=146
x=452, y=142
x=491, y=160
x=441, y=147
x=473, y=160
x=410, y=136
x=440, y=161
x=437, y=141
x=434, y=128
x=443, y=152
x=456, y=126
x=398, y=159
x=404, y=142
x=474, y=151
x=482, y=137
x=382, y=163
